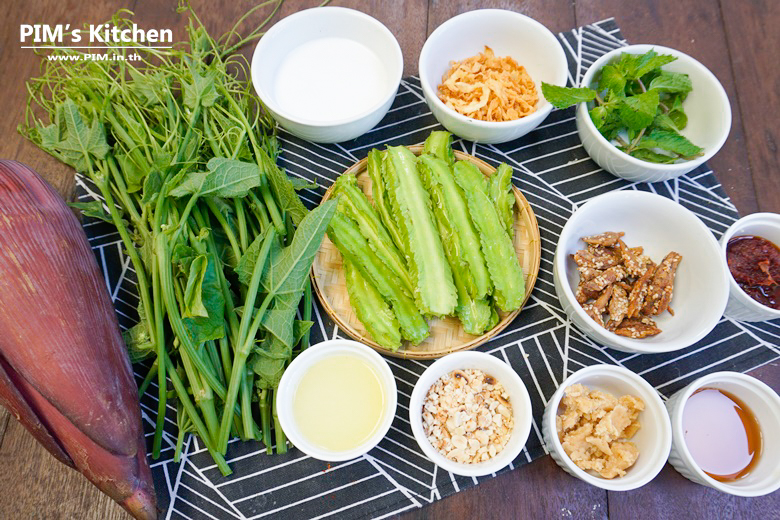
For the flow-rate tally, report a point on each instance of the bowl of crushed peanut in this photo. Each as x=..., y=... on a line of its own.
x=470, y=413
x=608, y=426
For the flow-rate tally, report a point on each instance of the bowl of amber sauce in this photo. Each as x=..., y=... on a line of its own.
x=723, y=430
x=750, y=247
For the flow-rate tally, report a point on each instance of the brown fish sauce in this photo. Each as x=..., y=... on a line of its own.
x=722, y=434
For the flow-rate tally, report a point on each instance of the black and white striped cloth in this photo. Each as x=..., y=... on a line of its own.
x=556, y=176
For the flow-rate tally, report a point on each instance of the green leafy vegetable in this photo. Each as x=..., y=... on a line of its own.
x=562, y=97
x=633, y=99
x=184, y=156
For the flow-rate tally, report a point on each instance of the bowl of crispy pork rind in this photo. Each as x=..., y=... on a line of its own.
x=638, y=272
x=608, y=426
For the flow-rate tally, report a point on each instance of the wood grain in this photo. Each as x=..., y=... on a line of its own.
x=753, y=38
x=694, y=27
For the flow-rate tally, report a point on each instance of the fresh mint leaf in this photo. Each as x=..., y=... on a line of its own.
x=671, y=82
x=193, y=292
x=634, y=66
x=664, y=122
x=638, y=112
x=670, y=141
x=563, y=97
x=677, y=114
x=599, y=116
x=92, y=209
x=651, y=156
x=612, y=79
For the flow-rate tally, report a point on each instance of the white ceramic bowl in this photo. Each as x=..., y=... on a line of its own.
x=764, y=478
x=508, y=33
x=313, y=24
x=741, y=306
x=660, y=225
x=291, y=378
x=707, y=107
x=518, y=398
x=654, y=439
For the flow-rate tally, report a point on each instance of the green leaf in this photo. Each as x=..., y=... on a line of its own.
x=80, y=143
x=182, y=257
x=139, y=342
x=148, y=87
x=268, y=362
x=201, y=91
x=92, y=209
x=134, y=176
x=671, y=82
x=246, y=265
x=637, y=112
x=669, y=141
x=599, y=115
x=612, y=79
x=663, y=121
x=677, y=114
x=283, y=190
x=288, y=271
x=193, y=293
x=300, y=328
x=563, y=97
x=651, y=156
x=635, y=66
x=225, y=178
x=212, y=326
x=152, y=185
x=299, y=184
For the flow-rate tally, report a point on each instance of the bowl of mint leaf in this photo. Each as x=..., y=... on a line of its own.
x=647, y=113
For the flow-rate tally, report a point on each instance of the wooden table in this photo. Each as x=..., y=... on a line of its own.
x=735, y=39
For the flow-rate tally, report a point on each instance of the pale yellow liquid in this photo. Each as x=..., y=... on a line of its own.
x=339, y=403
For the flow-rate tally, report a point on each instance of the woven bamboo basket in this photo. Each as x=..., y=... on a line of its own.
x=447, y=334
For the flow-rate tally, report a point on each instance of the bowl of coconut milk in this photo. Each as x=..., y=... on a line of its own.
x=327, y=74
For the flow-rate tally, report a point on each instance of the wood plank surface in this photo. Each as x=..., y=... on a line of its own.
x=735, y=39
x=694, y=27
x=753, y=36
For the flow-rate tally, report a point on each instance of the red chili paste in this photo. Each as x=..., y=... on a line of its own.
x=754, y=263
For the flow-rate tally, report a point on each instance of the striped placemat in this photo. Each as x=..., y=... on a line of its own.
x=556, y=175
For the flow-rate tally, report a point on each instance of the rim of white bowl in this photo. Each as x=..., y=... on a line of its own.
x=269, y=100
x=535, y=117
x=640, y=48
x=303, y=362
x=512, y=379
x=774, y=219
x=746, y=381
x=637, y=345
x=659, y=457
